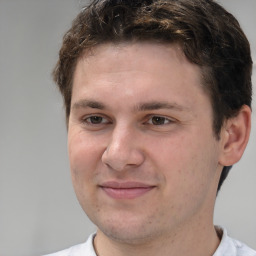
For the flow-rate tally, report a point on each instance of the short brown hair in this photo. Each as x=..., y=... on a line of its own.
x=209, y=36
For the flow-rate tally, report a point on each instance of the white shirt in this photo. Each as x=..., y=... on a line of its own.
x=85, y=249
x=227, y=247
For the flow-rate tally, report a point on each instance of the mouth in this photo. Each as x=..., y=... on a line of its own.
x=125, y=190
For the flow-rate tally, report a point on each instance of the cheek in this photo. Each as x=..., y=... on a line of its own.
x=84, y=154
x=188, y=162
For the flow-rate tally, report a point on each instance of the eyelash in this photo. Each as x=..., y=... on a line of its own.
x=149, y=121
x=163, y=120
x=85, y=120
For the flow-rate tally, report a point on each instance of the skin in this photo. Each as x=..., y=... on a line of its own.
x=144, y=160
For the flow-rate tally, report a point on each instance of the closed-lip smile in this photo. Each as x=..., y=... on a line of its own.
x=125, y=190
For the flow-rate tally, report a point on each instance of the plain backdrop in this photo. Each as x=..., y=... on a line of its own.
x=39, y=212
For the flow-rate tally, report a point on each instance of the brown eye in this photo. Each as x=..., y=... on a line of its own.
x=159, y=120
x=95, y=120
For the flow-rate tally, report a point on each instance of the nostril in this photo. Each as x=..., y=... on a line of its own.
x=123, y=150
x=120, y=159
x=114, y=161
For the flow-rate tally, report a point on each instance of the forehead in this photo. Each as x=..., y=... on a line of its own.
x=150, y=69
x=137, y=56
x=135, y=53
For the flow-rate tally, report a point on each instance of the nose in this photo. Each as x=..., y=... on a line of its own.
x=123, y=151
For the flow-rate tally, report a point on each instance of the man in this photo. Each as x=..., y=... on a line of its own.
x=157, y=97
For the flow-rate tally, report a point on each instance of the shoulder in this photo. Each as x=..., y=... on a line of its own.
x=243, y=249
x=77, y=250
x=232, y=247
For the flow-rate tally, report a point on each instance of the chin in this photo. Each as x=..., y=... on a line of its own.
x=127, y=231
x=130, y=236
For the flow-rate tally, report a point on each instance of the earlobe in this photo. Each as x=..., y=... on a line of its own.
x=235, y=136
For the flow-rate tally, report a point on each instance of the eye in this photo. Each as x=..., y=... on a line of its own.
x=95, y=120
x=159, y=120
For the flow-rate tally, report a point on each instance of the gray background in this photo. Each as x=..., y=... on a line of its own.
x=38, y=209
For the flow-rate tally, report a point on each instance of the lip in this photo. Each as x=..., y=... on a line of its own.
x=125, y=190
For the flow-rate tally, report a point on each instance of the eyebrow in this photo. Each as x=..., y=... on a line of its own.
x=154, y=105
x=88, y=104
x=147, y=106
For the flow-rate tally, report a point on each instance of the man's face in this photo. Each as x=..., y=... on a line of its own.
x=143, y=155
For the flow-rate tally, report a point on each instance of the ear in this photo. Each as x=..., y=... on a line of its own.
x=235, y=135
